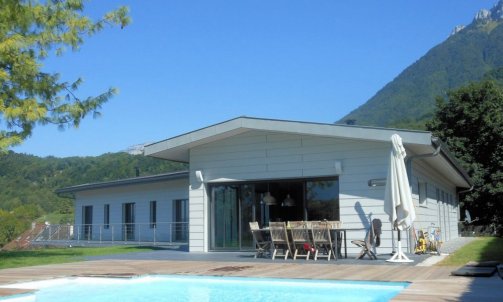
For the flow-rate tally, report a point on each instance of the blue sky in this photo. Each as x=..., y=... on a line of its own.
x=183, y=65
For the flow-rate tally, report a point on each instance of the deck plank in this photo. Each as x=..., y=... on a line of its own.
x=427, y=283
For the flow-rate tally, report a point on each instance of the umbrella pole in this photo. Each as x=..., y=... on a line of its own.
x=399, y=255
x=393, y=241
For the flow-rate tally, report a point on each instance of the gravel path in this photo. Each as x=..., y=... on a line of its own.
x=453, y=245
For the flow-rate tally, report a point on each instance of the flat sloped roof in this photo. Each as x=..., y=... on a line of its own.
x=177, y=148
x=124, y=182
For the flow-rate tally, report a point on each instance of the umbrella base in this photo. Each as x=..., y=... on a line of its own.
x=399, y=255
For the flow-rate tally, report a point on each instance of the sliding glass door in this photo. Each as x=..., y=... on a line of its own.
x=225, y=220
x=248, y=213
x=232, y=209
x=234, y=205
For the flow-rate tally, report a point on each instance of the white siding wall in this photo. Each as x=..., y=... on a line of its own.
x=141, y=194
x=263, y=155
x=257, y=155
x=441, y=208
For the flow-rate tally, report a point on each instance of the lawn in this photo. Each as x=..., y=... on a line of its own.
x=481, y=249
x=10, y=259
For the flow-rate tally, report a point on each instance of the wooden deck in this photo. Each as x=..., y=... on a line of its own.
x=427, y=283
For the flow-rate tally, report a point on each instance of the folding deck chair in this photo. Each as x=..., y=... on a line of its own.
x=372, y=239
x=279, y=239
x=262, y=244
x=322, y=240
x=301, y=240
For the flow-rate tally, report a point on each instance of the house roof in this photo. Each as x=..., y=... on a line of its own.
x=420, y=142
x=125, y=182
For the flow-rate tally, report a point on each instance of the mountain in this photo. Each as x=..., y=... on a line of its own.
x=31, y=180
x=468, y=55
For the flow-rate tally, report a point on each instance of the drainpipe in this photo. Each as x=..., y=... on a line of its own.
x=408, y=166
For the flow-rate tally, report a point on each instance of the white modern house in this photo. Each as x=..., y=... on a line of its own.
x=314, y=171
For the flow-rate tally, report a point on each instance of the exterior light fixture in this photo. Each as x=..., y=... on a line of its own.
x=199, y=176
x=377, y=182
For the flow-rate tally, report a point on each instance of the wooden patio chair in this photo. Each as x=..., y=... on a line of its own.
x=322, y=240
x=372, y=240
x=336, y=237
x=301, y=240
x=262, y=244
x=279, y=239
x=309, y=224
x=335, y=224
x=295, y=224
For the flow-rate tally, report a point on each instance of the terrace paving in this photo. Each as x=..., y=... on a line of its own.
x=428, y=283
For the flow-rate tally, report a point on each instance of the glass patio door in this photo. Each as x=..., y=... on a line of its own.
x=225, y=220
x=232, y=208
x=87, y=222
x=128, y=221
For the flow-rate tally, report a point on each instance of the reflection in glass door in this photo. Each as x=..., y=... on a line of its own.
x=128, y=221
x=248, y=213
x=225, y=218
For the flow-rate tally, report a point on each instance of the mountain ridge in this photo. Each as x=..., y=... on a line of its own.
x=465, y=56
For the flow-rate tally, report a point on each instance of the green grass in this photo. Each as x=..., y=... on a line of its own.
x=11, y=259
x=481, y=249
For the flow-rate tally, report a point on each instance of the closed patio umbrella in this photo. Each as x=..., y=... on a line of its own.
x=397, y=197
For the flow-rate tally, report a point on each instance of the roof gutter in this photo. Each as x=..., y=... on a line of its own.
x=68, y=195
x=408, y=163
x=448, y=155
x=440, y=148
x=467, y=190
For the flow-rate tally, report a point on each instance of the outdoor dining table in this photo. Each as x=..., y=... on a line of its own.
x=338, y=232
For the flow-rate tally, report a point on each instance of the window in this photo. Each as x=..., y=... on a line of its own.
x=322, y=199
x=153, y=214
x=106, y=216
x=423, y=193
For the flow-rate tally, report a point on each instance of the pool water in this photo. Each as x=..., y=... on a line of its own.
x=208, y=289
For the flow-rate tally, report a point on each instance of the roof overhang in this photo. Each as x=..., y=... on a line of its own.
x=178, y=147
x=419, y=142
x=438, y=157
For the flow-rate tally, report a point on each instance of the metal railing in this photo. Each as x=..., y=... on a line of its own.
x=152, y=233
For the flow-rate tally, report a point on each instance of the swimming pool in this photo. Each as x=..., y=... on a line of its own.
x=175, y=288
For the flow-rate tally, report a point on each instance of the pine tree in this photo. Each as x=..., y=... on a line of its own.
x=30, y=31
